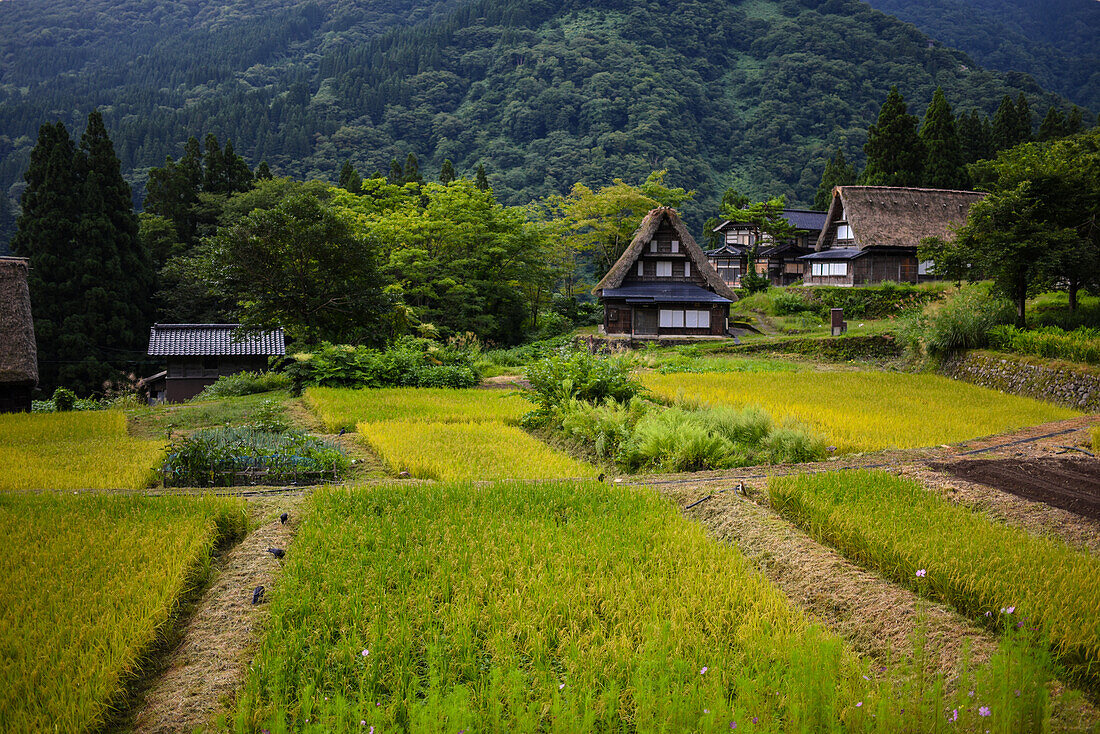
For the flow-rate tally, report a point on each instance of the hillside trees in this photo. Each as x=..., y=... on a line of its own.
x=838, y=172
x=895, y=152
x=943, y=162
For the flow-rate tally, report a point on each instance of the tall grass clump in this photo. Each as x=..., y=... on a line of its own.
x=962, y=321
x=577, y=376
x=344, y=408
x=473, y=451
x=245, y=383
x=90, y=584
x=865, y=411
x=74, y=450
x=992, y=572
x=1051, y=342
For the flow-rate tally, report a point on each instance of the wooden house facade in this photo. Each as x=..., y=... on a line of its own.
x=663, y=285
x=871, y=233
x=198, y=354
x=778, y=262
x=18, y=351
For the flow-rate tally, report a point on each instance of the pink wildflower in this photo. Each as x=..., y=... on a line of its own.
x=703, y=671
x=984, y=711
x=921, y=573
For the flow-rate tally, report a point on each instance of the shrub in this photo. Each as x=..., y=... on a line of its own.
x=63, y=399
x=410, y=362
x=752, y=282
x=581, y=376
x=245, y=383
x=786, y=302
x=962, y=321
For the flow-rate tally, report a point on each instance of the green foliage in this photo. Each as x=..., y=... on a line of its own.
x=213, y=457
x=895, y=152
x=410, y=362
x=350, y=180
x=753, y=282
x=63, y=399
x=581, y=376
x=838, y=172
x=1051, y=342
x=943, y=163
x=244, y=383
x=962, y=321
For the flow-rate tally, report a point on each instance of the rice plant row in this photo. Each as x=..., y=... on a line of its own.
x=866, y=411
x=989, y=571
x=468, y=451
x=89, y=583
x=84, y=450
x=345, y=407
x=565, y=607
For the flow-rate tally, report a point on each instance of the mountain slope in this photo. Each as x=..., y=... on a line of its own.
x=1056, y=41
x=545, y=92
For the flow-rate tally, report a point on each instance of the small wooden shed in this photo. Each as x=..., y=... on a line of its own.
x=18, y=352
x=663, y=284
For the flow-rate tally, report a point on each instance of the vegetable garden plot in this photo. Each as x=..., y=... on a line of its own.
x=89, y=583
x=345, y=407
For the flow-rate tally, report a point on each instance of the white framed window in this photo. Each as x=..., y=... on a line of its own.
x=675, y=245
x=843, y=232
x=704, y=319
x=687, y=268
x=641, y=268
x=666, y=319
x=827, y=269
x=691, y=319
x=924, y=267
x=676, y=319
x=653, y=245
x=815, y=269
x=664, y=269
x=838, y=268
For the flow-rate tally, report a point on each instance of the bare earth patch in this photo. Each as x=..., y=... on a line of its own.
x=208, y=666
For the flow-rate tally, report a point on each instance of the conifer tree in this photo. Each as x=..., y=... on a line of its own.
x=482, y=181
x=943, y=162
x=350, y=179
x=838, y=172
x=447, y=172
x=895, y=153
x=1024, y=132
x=1074, y=124
x=213, y=164
x=397, y=173
x=173, y=191
x=412, y=170
x=237, y=175
x=1053, y=125
x=1006, y=132
x=263, y=171
x=974, y=136
x=46, y=233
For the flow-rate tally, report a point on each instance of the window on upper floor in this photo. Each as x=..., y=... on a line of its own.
x=843, y=233
x=664, y=269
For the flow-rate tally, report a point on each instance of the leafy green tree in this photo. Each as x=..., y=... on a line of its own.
x=482, y=181
x=895, y=153
x=447, y=172
x=838, y=172
x=304, y=266
x=349, y=178
x=943, y=162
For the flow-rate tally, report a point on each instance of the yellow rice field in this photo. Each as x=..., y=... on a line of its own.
x=866, y=411
x=89, y=583
x=468, y=451
x=345, y=407
x=84, y=450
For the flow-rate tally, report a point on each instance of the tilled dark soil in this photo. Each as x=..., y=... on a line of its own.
x=1069, y=484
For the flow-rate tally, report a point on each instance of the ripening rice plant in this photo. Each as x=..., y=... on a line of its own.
x=474, y=451
x=992, y=572
x=85, y=450
x=89, y=584
x=345, y=407
x=866, y=411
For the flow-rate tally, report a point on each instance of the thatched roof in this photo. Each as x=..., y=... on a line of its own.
x=650, y=224
x=896, y=216
x=18, y=354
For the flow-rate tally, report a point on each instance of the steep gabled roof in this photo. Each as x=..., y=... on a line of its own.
x=213, y=340
x=644, y=234
x=18, y=353
x=897, y=216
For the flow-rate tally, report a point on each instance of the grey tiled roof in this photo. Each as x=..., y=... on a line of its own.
x=213, y=340
x=664, y=293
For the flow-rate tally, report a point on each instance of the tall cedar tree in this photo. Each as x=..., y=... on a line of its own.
x=1053, y=125
x=412, y=170
x=397, y=174
x=1006, y=126
x=974, y=136
x=91, y=277
x=349, y=178
x=447, y=172
x=482, y=181
x=895, y=153
x=173, y=191
x=263, y=171
x=1023, y=120
x=943, y=162
x=838, y=172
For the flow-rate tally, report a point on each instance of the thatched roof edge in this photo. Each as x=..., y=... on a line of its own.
x=18, y=352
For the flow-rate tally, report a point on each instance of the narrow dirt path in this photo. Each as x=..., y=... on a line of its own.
x=208, y=666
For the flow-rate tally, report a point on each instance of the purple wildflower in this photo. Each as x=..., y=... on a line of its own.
x=755, y=719
x=984, y=711
x=365, y=652
x=954, y=714
x=733, y=725
x=866, y=678
x=859, y=704
x=1017, y=693
x=362, y=722
x=921, y=573
x=703, y=671
x=561, y=686
x=706, y=711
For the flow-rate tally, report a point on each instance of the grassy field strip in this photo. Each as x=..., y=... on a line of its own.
x=344, y=407
x=867, y=411
x=980, y=567
x=86, y=450
x=468, y=451
x=89, y=582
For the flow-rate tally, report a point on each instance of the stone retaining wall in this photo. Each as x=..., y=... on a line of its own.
x=1054, y=381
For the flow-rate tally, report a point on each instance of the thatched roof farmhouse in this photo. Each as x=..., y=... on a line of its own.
x=871, y=233
x=18, y=353
x=663, y=284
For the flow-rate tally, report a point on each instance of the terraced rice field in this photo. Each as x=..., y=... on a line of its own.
x=866, y=411
x=344, y=407
x=89, y=584
x=84, y=450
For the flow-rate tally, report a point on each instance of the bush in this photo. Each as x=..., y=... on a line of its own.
x=786, y=302
x=576, y=376
x=63, y=399
x=410, y=362
x=963, y=321
x=244, y=383
x=752, y=282
x=527, y=353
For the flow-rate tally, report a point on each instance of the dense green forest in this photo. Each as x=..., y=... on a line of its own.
x=755, y=94
x=1055, y=41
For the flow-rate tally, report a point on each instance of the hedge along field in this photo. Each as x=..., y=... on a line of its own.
x=867, y=411
x=981, y=567
x=345, y=407
x=85, y=450
x=89, y=583
x=468, y=451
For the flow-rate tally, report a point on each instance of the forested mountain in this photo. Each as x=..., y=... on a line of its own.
x=756, y=94
x=1056, y=41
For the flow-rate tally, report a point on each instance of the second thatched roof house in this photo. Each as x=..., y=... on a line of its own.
x=18, y=353
x=871, y=233
x=663, y=285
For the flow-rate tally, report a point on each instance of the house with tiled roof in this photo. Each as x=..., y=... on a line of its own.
x=778, y=261
x=198, y=354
